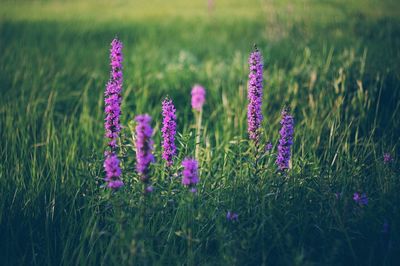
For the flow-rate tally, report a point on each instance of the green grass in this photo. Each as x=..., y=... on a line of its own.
x=335, y=62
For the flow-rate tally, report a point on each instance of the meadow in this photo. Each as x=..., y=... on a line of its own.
x=336, y=64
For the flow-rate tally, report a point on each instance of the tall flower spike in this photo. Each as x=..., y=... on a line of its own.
x=254, y=95
x=144, y=146
x=168, y=131
x=112, y=110
x=198, y=97
x=286, y=140
x=113, y=95
x=190, y=175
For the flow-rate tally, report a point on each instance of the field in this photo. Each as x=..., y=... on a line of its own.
x=336, y=63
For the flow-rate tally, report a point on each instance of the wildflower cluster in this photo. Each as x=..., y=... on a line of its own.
x=144, y=143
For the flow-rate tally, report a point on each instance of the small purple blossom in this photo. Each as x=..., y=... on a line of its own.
x=113, y=95
x=360, y=199
x=190, y=173
x=254, y=95
x=232, y=216
x=285, y=141
x=198, y=97
x=268, y=147
x=168, y=131
x=113, y=172
x=144, y=146
x=387, y=158
x=149, y=189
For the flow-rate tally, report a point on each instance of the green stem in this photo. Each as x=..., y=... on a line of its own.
x=198, y=132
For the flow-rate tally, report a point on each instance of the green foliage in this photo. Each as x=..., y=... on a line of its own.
x=336, y=63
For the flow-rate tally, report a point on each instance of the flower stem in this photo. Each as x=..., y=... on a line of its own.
x=198, y=132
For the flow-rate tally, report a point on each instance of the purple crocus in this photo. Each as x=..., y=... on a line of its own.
x=232, y=216
x=198, y=97
x=190, y=173
x=387, y=158
x=113, y=95
x=254, y=95
x=168, y=131
x=113, y=171
x=144, y=146
x=286, y=140
x=360, y=199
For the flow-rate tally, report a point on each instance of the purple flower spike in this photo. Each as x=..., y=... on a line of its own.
x=387, y=158
x=144, y=146
x=112, y=109
x=198, y=97
x=190, y=172
x=231, y=216
x=113, y=172
x=360, y=199
x=254, y=95
x=168, y=131
x=113, y=95
x=285, y=141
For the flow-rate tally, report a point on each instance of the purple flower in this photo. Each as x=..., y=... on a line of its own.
x=168, y=131
x=113, y=171
x=254, y=95
x=360, y=199
x=231, y=216
x=285, y=141
x=144, y=146
x=113, y=95
x=190, y=175
x=268, y=147
x=387, y=158
x=149, y=189
x=198, y=97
